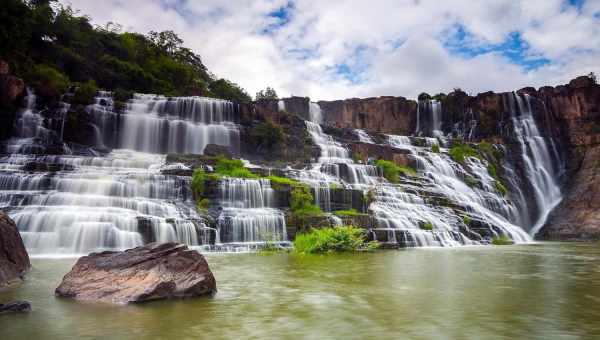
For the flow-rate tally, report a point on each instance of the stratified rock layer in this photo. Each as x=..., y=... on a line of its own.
x=14, y=261
x=151, y=272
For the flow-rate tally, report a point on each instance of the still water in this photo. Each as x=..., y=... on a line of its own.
x=539, y=291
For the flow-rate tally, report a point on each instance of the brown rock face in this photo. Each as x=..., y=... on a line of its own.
x=14, y=261
x=151, y=272
x=383, y=114
x=577, y=217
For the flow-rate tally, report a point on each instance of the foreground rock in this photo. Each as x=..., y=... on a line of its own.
x=14, y=261
x=151, y=272
x=15, y=307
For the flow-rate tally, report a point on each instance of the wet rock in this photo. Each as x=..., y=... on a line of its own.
x=14, y=260
x=151, y=272
x=215, y=150
x=15, y=307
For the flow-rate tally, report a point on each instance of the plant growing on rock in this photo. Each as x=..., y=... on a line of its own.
x=301, y=202
x=334, y=239
x=268, y=134
x=233, y=168
x=85, y=93
x=502, y=240
x=391, y=170
x=347, y=213
x=198, y=178
x=435, y=148
x=426, y=226
x=459, y=152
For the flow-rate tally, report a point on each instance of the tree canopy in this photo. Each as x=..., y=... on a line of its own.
x=45, y=35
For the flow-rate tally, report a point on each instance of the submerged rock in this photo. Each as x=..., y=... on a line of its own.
x=15, y=307
x=151, y=272
x=14, y=260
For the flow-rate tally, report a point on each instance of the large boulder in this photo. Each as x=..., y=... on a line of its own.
x=151, y=272
x=14, y=261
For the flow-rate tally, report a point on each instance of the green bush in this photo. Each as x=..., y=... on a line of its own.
x=435, y=148
x=203, y=204
x=347, y=213
x=335, y=239
x=391, y=171
x=467, y=220
x=122, y=95
x=279, y=181
x=233, y=168
x=85, y=93
x=301, y=202
x=502, y=240
x=460, y=152
x=198, y=178
x=48, y=81
x=492, y=170
x=426, y=225
x=268, y=134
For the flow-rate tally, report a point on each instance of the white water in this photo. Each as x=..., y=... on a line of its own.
x=434, y=109
x=249, y=217
x=537, y=153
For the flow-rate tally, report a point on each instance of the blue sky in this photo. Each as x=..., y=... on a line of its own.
x=344, y=48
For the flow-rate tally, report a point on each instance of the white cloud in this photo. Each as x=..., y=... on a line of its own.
x=394, y=47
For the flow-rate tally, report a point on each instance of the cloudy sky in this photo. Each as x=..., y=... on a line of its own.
x=342, y=48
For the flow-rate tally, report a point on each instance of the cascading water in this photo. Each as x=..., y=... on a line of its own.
x=158, y=124
x=429, y=118
x=541, y=160
x=248, y=217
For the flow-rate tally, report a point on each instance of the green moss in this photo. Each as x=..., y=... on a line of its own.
x=233, y=168
x=203, y=204
x=198, y=178
x=391, y=171
x=278, y=180
x=460, y=152
x=502, y=240
x=334, y=186
x=471, y=181
x=435, y=148
x=426, y=225
x=347, y=213
x=492, y=170
x=335, y=239
x=501, y=188
x=467, y=220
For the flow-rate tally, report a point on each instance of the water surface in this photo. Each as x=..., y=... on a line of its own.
x=543, y=291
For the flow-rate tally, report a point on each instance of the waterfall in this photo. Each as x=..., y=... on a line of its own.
x=248, y=216
x=363, y=137
x=158, y=124
x=432, y=120
x=540, y=158
x=315, y=114
x=281, y=105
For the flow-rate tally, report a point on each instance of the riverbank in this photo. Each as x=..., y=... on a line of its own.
x=545, y=290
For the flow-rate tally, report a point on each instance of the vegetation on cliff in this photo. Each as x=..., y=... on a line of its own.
x=334, y=239
x=392, y=171
x=50, y=46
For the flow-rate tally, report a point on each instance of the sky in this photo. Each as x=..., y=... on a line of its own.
x=336, y=49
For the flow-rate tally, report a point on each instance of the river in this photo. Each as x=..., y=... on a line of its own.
x=534, y=291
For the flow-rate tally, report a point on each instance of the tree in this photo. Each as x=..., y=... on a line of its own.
x=268, y=93
x=166, y=41
x=593, y=77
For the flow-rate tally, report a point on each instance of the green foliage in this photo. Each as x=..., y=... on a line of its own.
x=335, y=239
x=268, y=134
x=492, y=170
x=122, y=95
x=203, y=204
x=502, y=240
x=233, y=168
x=426, y=225
x=85, y=93
x=48, y=33
x=424, y=96
x=301, y=202
x=283, y=181
x=435, y=148
x=347, y=213
x=198, y=179
x=501, y=188
x=391, y=171
x=471, y=181
x=459, y=152
x=466, y=220
x=268, y=93
x=369, y=197
x=48, y=80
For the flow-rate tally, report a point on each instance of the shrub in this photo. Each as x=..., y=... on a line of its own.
x=467, y=220
x=426, y=225
x=85, y=93
x=391, y=171
x=233, y=168
x=460, y=152
x=48, y=81
x=198, y=178
x=502, y=240
x=203, y=204
x=435, y=148
x=347, y=213
x=268, y=134
x=283, y=181
x=301, y=202
x=335, y=239
x=492, y=170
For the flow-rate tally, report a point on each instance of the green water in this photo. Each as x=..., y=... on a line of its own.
x=543, y=291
